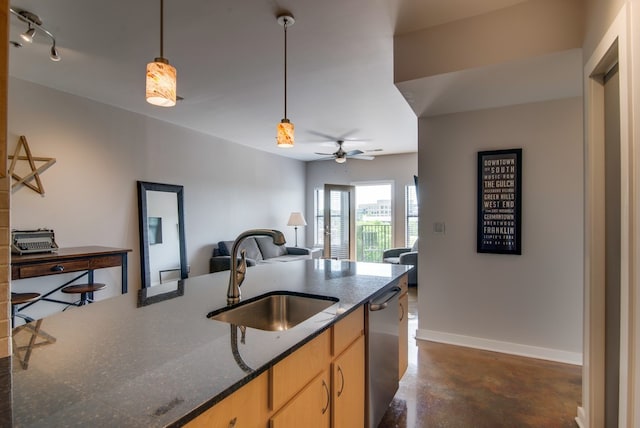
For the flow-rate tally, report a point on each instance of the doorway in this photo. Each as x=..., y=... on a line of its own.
x=374, y=220
x=607, y=389
x=339, y=222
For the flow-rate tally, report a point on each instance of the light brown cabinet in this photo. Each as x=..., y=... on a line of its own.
x=322, y=384
x=348, y=386
x=311, y=407
x=247, y=407
x=403, y=337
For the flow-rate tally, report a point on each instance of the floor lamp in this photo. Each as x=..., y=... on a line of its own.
x=296, y=219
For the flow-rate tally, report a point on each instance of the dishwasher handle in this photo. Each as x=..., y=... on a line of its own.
x=374, y=306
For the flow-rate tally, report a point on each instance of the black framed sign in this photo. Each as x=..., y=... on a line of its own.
x=500, y=201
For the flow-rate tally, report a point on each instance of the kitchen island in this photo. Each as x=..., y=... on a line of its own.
x=164, y=364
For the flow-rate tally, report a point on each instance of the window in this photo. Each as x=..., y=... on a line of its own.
x=373, y=220
x=411, y=212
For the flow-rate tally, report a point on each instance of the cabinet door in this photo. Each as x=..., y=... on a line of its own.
x=247, y=407
x=403, y=353
x=309, y=409
x=348, y=385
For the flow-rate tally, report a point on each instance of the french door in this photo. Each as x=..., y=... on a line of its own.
x=339, y=222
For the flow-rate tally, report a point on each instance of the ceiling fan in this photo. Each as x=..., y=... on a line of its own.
x=341, y=155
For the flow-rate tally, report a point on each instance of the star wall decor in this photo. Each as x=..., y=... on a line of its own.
x=33, y=176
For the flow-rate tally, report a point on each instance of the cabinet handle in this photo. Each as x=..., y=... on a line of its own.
x=57, y=268
x=402, y=308
x=232, y=422
x=326, y=388
x=341, y=381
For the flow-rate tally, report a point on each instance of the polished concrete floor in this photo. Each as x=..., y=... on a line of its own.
x=456, y=387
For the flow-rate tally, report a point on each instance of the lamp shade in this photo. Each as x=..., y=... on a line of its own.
x=161, y=83
x=285, y=134
x=296, y=219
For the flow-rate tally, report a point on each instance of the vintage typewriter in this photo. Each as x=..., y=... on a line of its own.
x=33, y=241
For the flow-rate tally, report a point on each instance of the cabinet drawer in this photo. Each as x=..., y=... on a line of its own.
x=348, y=330
x=291, y=374
x=105, y=262
x=53, y=268
x=247, y=407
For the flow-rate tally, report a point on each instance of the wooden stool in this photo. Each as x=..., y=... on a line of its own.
x=34, y=330
x=19, y=299
x=85, y=291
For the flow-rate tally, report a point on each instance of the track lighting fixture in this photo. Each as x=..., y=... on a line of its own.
x=34, y=24
x=161, y=76
x=285, y=131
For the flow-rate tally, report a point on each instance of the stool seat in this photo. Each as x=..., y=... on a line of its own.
x=83, y=288
x=20, y=298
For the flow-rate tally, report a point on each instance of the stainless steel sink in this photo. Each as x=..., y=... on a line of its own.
x=274, y=311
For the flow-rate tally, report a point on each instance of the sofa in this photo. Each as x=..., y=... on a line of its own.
x=259, y=250
x=404, y=256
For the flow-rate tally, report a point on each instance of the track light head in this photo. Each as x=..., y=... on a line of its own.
x=54, y=54
x=27, y=36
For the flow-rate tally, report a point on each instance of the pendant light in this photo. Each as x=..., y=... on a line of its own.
x=161, y=76
x=285, y=131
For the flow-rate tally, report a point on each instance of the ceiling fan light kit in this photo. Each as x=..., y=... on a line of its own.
x=161, y=76
x=285, y=135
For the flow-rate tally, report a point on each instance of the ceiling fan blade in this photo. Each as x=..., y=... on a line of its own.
x=373, y=150
x=323, y=154
x=325, y=158
x=363, y=157
x=320, y=134
x=354, y=152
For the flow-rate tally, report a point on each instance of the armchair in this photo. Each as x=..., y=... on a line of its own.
x=404, y=256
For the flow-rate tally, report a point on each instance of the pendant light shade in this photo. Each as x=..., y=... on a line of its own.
x=285, y=130
x=161, y=83
x=285, y=135
x=161, y=76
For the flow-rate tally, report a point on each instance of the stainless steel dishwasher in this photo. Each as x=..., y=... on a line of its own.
x=382, y=353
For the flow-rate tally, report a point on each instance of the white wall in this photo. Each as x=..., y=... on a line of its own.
x=529, y=304
x=101, y=151
x=398, y=169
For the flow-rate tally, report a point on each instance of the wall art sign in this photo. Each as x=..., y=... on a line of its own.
x=499, y=201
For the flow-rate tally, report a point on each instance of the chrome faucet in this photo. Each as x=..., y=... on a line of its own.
x=238, y=272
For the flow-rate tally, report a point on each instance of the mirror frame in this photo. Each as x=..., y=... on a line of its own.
x=143, y=188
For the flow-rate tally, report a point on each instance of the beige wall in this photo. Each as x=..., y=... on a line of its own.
x=528, y=29
x=599, y=16
x=529, y=304
x=101, y=151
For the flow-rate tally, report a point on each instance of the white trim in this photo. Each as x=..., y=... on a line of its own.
x=557, y=355
x=581, y=418
x=614, y=44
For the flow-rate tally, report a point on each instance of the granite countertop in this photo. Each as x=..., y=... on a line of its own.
x=115, y=364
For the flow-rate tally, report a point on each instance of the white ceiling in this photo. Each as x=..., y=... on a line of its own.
x=229, y=58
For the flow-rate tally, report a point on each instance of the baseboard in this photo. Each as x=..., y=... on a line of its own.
x=574, y=358
x=581, y=419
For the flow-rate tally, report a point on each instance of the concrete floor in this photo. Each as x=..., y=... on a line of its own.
x=456, y=387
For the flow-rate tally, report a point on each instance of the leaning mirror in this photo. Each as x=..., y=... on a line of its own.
x=163, y=255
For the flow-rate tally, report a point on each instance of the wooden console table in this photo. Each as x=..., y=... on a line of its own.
x=65, y=260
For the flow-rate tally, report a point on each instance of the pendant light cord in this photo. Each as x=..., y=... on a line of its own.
x=285, y=67
x=161, y=28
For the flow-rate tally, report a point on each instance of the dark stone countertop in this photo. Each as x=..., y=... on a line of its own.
x=115, y=364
